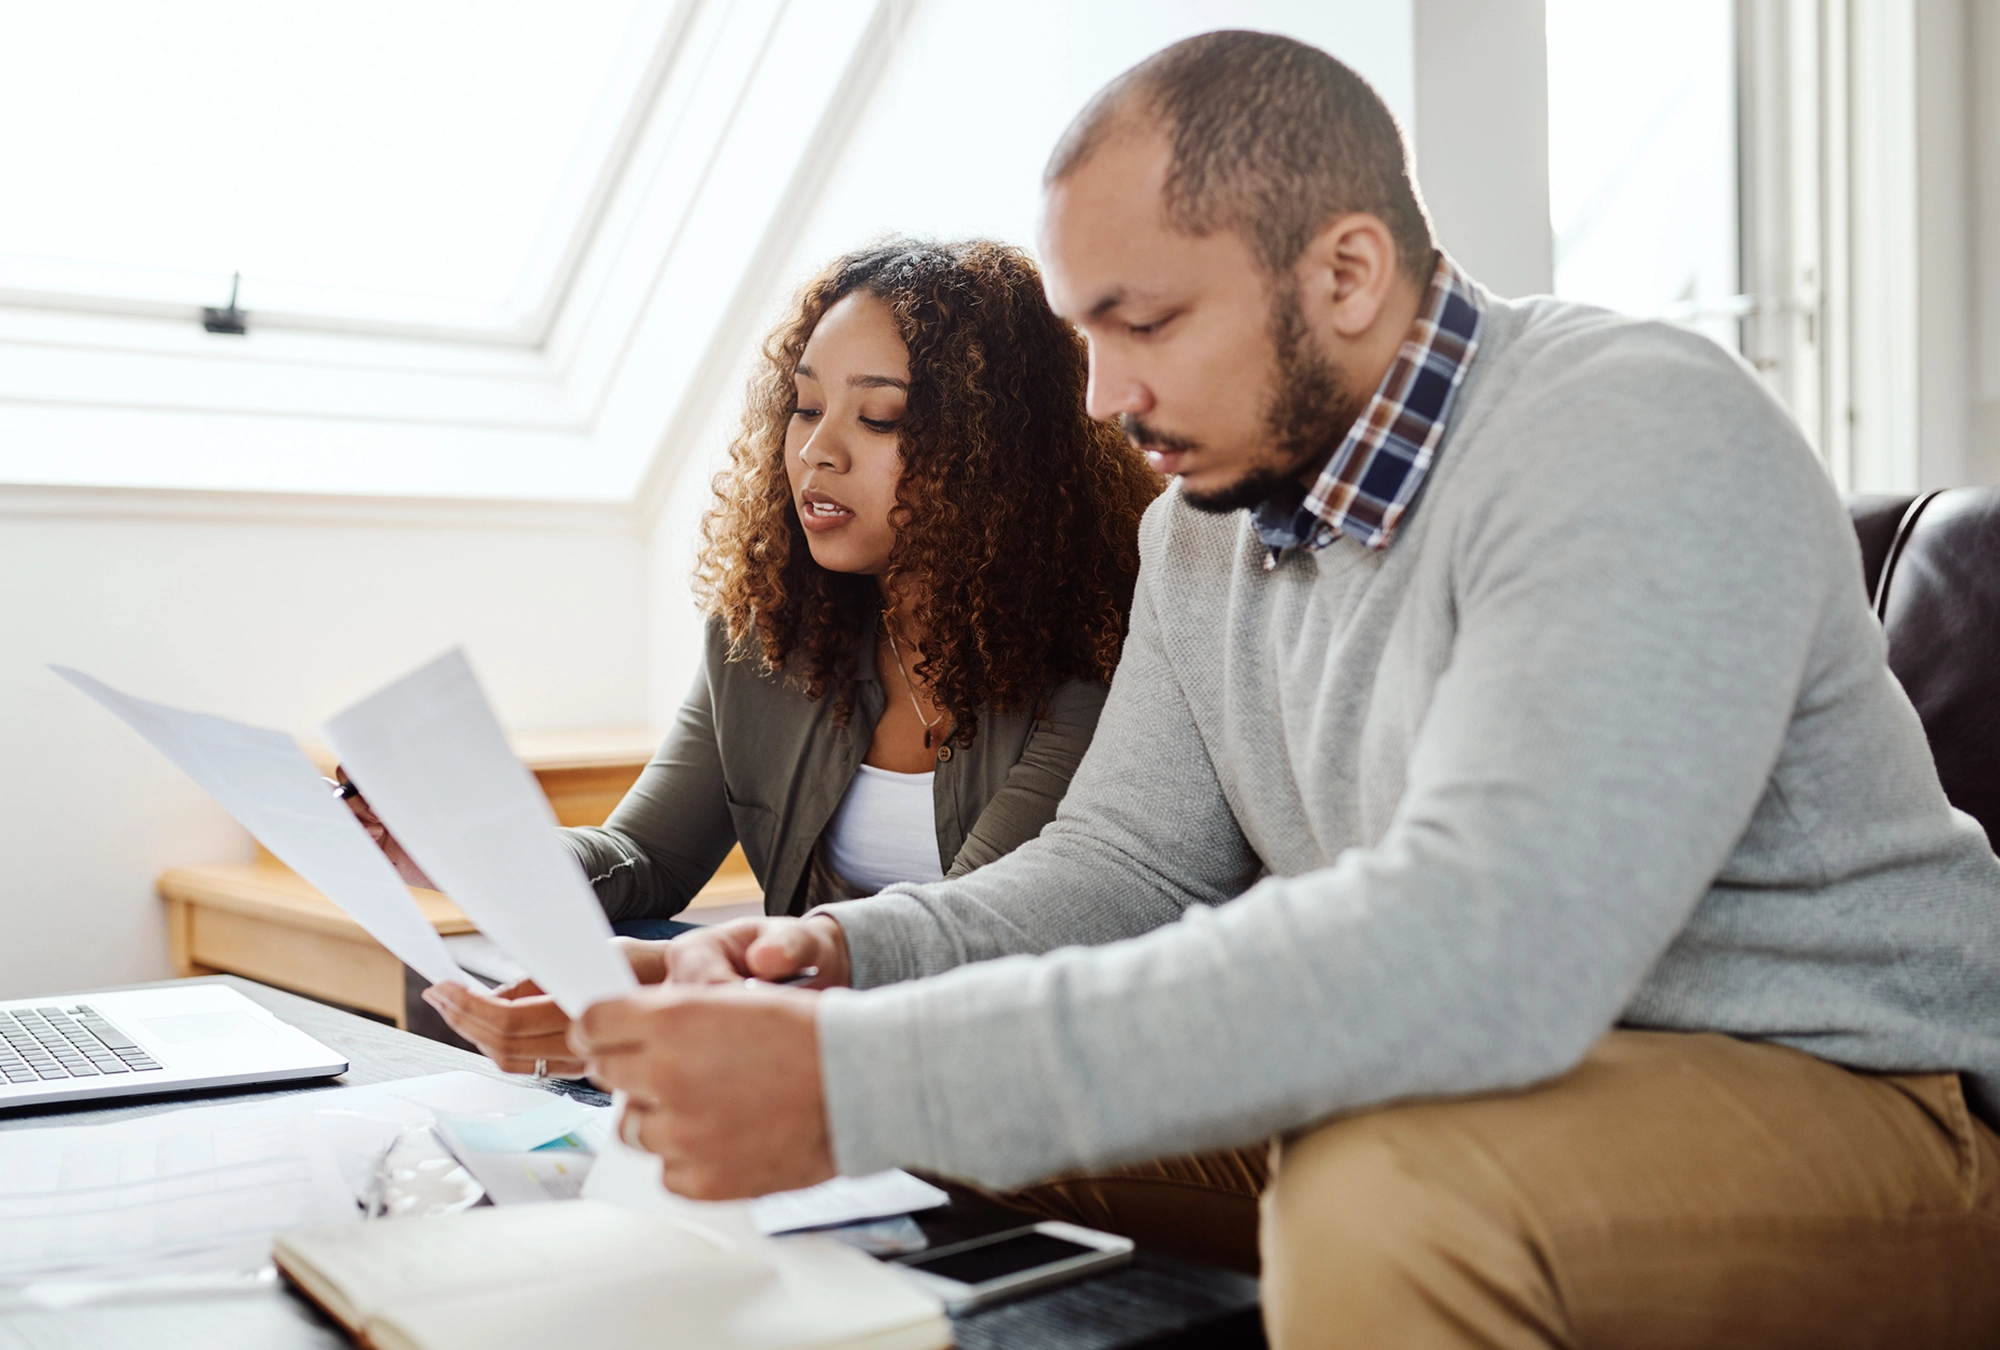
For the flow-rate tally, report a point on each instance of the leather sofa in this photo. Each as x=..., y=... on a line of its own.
x=1932, y=566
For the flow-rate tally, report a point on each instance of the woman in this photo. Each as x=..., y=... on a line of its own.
x=916, y=575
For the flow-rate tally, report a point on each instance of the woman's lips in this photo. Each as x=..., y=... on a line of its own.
x=818, y=512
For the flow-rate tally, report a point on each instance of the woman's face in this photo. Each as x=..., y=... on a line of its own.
x=841, y=453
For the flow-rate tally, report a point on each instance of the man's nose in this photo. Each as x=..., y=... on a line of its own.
x=1114, y=388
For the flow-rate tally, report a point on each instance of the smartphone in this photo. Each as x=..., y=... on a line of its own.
x=987, y=1269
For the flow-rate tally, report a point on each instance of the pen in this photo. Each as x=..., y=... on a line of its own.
x=796, y=977
x=342, y=790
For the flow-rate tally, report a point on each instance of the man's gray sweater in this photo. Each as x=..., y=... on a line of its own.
x=1604, y=737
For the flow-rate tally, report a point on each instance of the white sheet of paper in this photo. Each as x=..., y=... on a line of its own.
x=845, y=1200
x=430, y=756
x=187, y=1201
x=630, y=1178
x=263, y=779
x=529, y=1178
x=522, y=1133
x=623, y=1175
x=196, y=1190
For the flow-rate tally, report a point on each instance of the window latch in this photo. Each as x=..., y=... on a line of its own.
x=229, y=320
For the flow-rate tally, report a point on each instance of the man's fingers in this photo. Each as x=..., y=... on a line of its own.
x=784, y=952
x=722, y=1083
x=700, y=963
x=765, y=948
x=629, y=1069
x=711, y=956
x=636, y=1024
x=617, y=1026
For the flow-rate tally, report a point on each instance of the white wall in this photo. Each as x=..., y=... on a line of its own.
x=273, y=610
x=953, y=141
x=1980, y=46
x=1946, y=312
x=1957, y=60
x=1482, y=137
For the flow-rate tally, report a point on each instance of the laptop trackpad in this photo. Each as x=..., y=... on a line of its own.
x=190, y=1028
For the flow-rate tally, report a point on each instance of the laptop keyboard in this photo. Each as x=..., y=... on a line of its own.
x=43, y=1043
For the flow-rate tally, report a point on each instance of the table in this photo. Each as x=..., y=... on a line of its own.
x=1156, y=1302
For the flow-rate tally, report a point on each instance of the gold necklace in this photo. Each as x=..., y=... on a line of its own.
x=909, y=685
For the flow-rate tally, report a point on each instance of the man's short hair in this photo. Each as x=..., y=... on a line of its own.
x=1271, y=138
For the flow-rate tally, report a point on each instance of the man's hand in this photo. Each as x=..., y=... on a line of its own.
x=760, y=949
x=722, y=1083
x=518, y=1025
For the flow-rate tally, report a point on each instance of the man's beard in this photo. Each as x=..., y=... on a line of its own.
x=1310, y=411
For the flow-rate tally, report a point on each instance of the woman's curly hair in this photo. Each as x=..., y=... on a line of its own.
x=1016, y=516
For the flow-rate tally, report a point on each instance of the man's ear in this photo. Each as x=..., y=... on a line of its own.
x=1346, y=275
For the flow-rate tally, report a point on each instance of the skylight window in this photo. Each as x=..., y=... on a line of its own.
x=375, y=163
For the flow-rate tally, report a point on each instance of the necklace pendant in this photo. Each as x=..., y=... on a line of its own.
x=929, y=738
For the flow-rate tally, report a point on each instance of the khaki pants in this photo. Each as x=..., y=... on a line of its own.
x=1671, y=1191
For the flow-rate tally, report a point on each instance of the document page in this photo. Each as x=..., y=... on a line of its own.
x=186, y=1202
x=630, y=1177
x=203, y=1188
x=263, y=779
x=431, y=759
x=845, y=1200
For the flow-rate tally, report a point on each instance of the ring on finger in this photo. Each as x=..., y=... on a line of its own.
x=541, y=1068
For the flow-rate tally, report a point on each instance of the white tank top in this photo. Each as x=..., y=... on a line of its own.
x=885, y=831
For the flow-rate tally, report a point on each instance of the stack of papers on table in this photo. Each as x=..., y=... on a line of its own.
x=197, y=1194
x=195, y=1191
x=843, y=1200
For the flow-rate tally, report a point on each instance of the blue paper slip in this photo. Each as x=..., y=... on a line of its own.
x=540, y=1128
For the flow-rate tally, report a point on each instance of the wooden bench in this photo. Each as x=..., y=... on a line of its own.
x=260, y=919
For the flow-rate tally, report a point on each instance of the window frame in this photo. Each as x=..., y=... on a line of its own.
x=571, y=406
x=1828, y=148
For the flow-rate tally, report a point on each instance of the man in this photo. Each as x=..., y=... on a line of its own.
x=1618, y=973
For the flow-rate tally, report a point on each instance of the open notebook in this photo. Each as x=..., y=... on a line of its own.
x=589, y=1272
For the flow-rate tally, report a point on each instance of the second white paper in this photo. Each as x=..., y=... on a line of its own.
x=431, y=759
x=263, y=779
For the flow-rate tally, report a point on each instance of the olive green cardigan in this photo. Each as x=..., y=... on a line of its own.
x=751, y=759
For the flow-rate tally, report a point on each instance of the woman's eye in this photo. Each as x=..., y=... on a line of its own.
x=877, y=424
x=1144, y=329
x=807, y=413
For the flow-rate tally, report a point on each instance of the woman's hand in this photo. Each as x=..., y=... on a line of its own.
x=406, y=866
x=760, y=949
x=517, y=1026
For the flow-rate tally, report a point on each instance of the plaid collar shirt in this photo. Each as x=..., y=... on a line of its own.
x=1367, y=487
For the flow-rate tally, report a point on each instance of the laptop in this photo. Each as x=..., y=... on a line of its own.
x=176, y=1038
